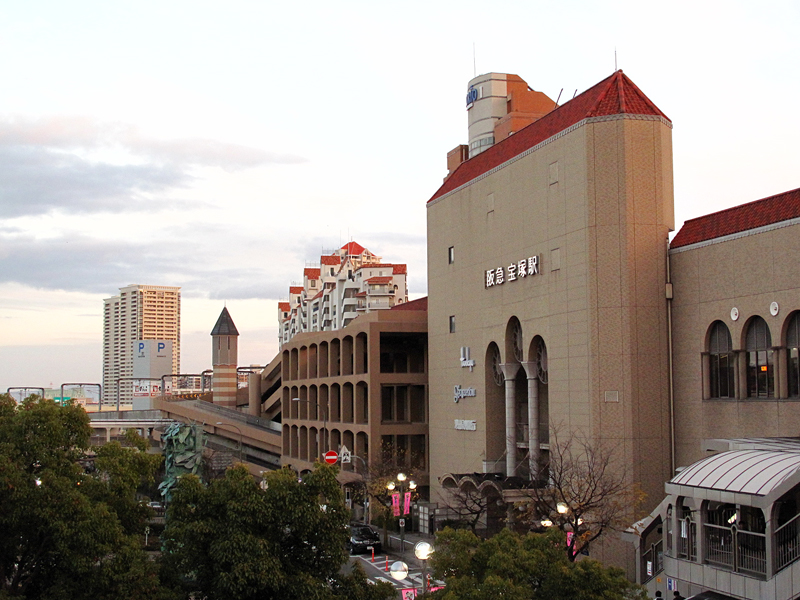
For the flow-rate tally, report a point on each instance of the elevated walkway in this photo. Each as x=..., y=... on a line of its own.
x=257, y=439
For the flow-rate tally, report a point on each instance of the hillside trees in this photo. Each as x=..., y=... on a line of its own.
x=236, y=539
x=62, y=534
x=517, y=567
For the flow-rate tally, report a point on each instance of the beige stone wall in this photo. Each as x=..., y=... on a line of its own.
x=595, y=205
x=748, y=273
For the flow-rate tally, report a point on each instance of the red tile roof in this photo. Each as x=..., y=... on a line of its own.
x=418, y=304
x=752, y=215
x=296, y=289
x=311, y=273
x=283, y=306
x=361, y=294
x=354, y=249
x=379, y=280
x=614, y=95
x=396, y=269
x=318, y=295
x=332, y=260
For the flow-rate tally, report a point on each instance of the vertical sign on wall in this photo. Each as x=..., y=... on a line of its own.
x=396, y=504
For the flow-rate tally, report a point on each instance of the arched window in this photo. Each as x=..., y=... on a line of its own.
x=720, y=364
x=760, y=373
x=793, y=355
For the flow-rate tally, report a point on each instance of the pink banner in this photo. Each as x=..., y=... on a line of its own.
x=396, y=504
x=407, y=503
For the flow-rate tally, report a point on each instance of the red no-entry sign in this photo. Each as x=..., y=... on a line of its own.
x=331, y=457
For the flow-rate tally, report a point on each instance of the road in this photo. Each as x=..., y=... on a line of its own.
x=378, y=571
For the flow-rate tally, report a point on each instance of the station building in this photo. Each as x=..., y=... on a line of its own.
x=558, y=305
x=547, y=272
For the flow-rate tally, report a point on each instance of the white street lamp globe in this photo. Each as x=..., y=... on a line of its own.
x=546, y=523
x=423, y=550
x=390, y=485
x=401, y=477
x=399, y=570
x=561, y=507
x=412, y=485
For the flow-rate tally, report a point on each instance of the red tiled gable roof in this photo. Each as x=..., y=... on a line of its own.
x=752, y=215
x=361, y=294
x=318, y=295
x=396, y=269
x=332, y=260
x=296, y=289
x=311, y=273
x=283, y=306
x=614, y=95
x=418, y=304
x=353, y=248
x=374, y=280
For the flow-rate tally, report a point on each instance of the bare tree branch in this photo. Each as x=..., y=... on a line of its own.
x=582, y=491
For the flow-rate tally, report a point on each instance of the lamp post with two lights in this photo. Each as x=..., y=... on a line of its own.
x=401, y=503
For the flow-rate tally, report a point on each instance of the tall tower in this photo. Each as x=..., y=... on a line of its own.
x=224, y=357
x=139, y=312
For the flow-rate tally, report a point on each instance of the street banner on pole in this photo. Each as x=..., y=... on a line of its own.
x=407, y=503
x=396, y=504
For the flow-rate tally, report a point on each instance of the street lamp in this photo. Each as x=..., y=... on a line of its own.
x=423, y=551
x=403, y=495
x=240, y=436
x=399, y=570
x=324, y=433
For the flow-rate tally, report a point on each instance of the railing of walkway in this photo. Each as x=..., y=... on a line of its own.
x=787, y=543
x=235, y=415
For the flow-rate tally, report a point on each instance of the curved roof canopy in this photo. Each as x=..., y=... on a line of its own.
x=754, y=472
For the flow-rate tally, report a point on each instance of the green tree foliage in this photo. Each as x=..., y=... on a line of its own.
x=515, y=567
x=284, y=538
x=61, y=535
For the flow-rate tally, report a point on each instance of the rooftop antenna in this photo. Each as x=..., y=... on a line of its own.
x=615, y=59
x=559, y=96
x=575, y=94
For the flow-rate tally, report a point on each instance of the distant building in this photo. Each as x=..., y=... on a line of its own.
x=349, y=282
x=139, y=313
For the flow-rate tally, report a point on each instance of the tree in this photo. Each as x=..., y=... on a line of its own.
x=61, y=534
x=585, y=494
x=284, y=538
x=467, y=503
x=522, y=567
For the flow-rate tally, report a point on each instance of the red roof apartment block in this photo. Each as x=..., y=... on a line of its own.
x=767, y=211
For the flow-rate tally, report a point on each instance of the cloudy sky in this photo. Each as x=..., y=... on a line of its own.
x=219, y=146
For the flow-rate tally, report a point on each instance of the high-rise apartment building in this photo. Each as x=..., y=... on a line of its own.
x=139, y=312
x=348, y=282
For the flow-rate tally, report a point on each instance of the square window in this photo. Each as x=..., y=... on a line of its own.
x=452, y=324
x=451, y=255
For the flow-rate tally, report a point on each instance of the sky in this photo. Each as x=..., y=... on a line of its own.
x=222, y=146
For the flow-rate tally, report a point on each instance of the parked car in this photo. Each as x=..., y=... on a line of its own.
x=362, y=538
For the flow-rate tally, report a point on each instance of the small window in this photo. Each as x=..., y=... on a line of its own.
x=452, y=324
x=451, y=255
